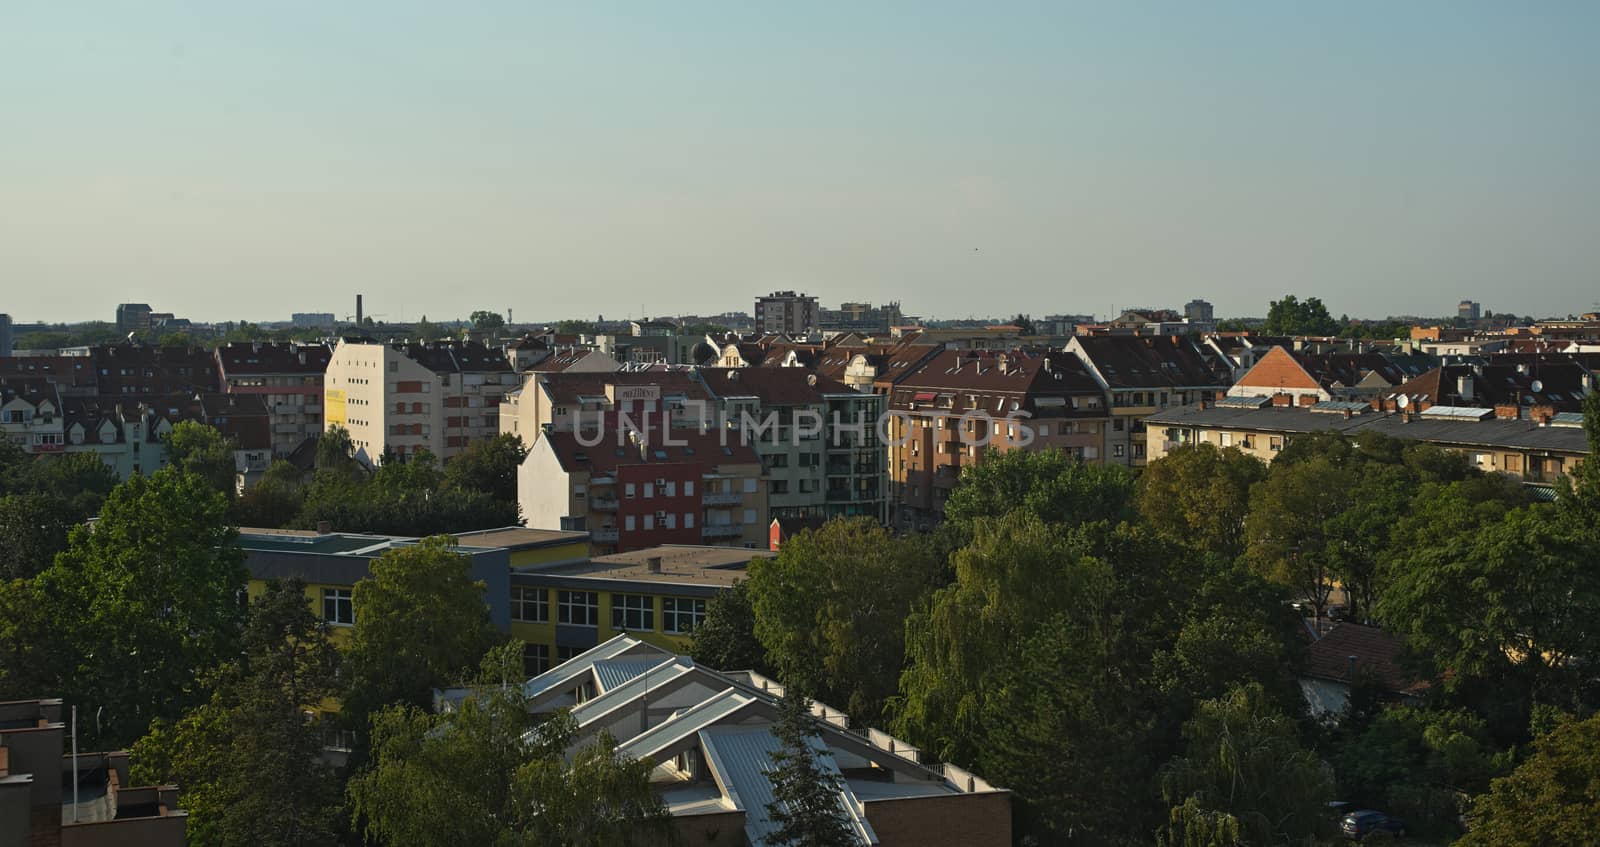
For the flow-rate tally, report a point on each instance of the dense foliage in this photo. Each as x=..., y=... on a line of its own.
x=1293, y=316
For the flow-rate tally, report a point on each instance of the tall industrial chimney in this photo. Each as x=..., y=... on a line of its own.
x=359, y=322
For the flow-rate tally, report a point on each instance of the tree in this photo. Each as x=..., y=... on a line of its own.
x=1024, y=324
x=806, y=803
x=203, y=451
x=247, y=761
x=1581, y=488
x=144, y=600
x=426, y=330
x=504, y=781
x=274, y=500
x=420, y=623
x=1416, y=762
x=484, y=320
x=335, y=454
x=1291, y=316
x=830, y=609
x=488, y=465
x=726, y=638
x=1047, y=483
x=33, y=529
x=1198, y=495
x=1287, y=529
x=576, y=327
x=1552, y=800
x=1243, y=763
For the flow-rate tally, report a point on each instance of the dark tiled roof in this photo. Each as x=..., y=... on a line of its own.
x=1561, y=385
x=1348, y=369
x=1507, y=434
x=456, y=357
x=772, y=386
x=711, y=448
x=273, y=358
x=1143, y=361
x=569, y=386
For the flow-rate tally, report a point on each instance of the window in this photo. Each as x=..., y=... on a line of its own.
x=671, y=521
x=627, y=491
x=778, y=486
x=529, y=605
x=632, y=612
x=1275, y=443
x=688, y=488
x=535, y=659
x=1249, y=441
x=1118, y=450
x=563, y=652
x=1225, y=439
x=578, y=608
x=680, y=615
x=649, y=521
x=749, y=486
x=1117, y=424
x=338, y=607
x=688, y=520
x=669, y=490
x=749, y=516
x=649, y=490
x=628, y=523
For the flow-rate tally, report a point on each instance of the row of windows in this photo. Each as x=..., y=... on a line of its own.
x=668, y=489
x=668, y=521
x=634, y=612
x=536, y=657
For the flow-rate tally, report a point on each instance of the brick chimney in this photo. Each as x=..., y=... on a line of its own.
x=1306, y=401
x=1542, y=414
x=1282, y=400
x=1507, y=411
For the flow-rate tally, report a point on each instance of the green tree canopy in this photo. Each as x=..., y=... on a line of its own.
x=1047, y=483
x=488, y=465
x=1292, y=316
x=501, y=783
x=831, y=609
x=203, y=451
x=726, y=639
x=1199, y=495
x=420, y=624
x=1243, y=760
x=484, y=320
x=248, y=763
x=1552, y=800
x=145, y=599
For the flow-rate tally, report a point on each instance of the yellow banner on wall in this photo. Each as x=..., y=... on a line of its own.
x=334, y=413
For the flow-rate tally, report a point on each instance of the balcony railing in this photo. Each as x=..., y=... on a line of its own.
x=603, y=504
x=725, y=530
x=604, y=534
x=722, y=498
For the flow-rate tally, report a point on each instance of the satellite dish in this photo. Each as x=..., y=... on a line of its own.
x=1537, y=385
x=1402, y=401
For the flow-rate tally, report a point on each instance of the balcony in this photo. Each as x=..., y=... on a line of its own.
x=603, y=504
x=839, y=468
x=604, y=534
x=726, y=530
x=722, y=498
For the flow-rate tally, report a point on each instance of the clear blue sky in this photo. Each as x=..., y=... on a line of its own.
x=249, y=159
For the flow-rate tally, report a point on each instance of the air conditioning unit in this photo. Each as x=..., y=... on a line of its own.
x=661, y=515
x=661, y=481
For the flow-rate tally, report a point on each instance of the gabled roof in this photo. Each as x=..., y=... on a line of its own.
x=455, y=356
x=273, y=358
x=1376, y=654
x=568, y=388
x=742, y=759
x=1149, y=361
x=1561, y=385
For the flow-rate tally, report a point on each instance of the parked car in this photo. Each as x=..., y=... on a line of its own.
x=1363, y=824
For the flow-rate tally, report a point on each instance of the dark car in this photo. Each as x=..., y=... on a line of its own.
x=1360, y=825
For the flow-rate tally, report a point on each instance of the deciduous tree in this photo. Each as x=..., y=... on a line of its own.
x=1552, y=800
x=806, y=803
x=1199, y=495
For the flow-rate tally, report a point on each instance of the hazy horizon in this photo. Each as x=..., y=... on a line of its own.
x=627, y=160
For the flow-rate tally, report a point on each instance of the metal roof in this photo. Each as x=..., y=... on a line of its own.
x=583, y=662
x=685, y=724
x=1465, y=413
x=1243, y=402
x=632, y=687
x=1341, y=406
x=742, y=757
x=615, y=673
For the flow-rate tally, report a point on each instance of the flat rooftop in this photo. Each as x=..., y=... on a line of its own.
x=309, y=540
x=718, y=567
x=517, y=537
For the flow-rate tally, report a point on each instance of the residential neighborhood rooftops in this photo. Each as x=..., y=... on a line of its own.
x=1350, y=651
x=1467, y=432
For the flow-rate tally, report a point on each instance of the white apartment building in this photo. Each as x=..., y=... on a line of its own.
x=404, y=397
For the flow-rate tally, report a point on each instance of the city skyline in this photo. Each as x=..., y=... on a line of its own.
x=228, y=163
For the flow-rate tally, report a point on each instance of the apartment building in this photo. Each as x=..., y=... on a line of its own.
x=31, y=416
x=397, y=399
x=1142, y=374
x=786, y=312
x=632, y=488
x=127, y=434
x=288, y=379
x=1316, y=377
x=712, y=733
x=141, y=371
x=562, y=400
x=1536, y=448
x=132, y=317
x=816, y=437
x=656, y=594
x=956, y=406
x=51, y=795
x=72, y=376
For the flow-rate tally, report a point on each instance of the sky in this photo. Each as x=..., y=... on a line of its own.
x=228, y=159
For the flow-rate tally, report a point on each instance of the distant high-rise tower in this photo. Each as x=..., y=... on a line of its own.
x=359, y=322
x=5, y=335
x=133, y=316
x=1469, y=310
x=787, y=312
x=1199, y=311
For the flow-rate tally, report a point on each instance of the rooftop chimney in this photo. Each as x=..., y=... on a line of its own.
x=324, y=527
x=1464, y=386
x=653, y=564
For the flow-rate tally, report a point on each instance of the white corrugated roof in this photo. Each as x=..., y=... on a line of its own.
x=741, y=757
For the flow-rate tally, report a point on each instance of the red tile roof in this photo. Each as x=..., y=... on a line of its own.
x=772, y=386
x=1376, y=654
